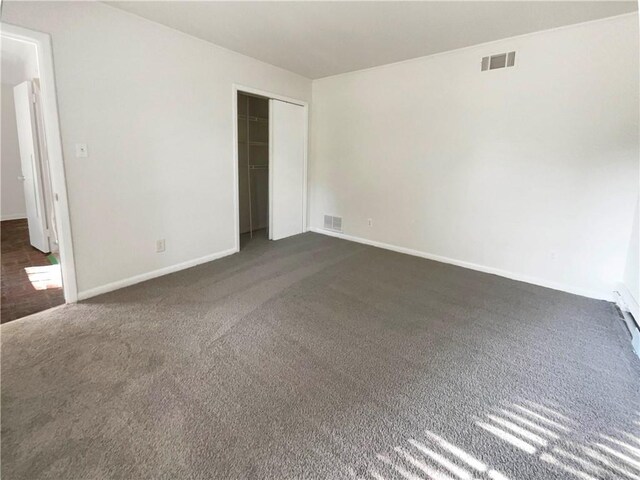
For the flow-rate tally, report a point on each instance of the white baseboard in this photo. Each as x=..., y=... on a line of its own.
x=473, y=266
x=627, y=302
x=110, y=287
x=631, y=311
x=13, y=216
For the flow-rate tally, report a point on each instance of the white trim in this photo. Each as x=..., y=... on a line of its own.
x=236, y=174
x=235, y=88
x=626, y=302
x=472, y=266
x=629, y=307
x=305, y=202
x=13, y=216
x=265, y=93
x=110, y=287
x=42, y=42
x=271, y=171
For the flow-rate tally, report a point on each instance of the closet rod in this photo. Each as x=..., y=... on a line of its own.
x=254, y=119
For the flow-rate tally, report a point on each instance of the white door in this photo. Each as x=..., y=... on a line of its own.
x=45, y=172
x=30, y=161
x=286, y=169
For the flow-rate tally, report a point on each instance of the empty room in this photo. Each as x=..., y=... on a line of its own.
x=320, y=240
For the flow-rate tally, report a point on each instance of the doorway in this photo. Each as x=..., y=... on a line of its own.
x=271, y=164
x=36, y=246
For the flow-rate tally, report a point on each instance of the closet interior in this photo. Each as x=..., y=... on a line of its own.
x=253, y=166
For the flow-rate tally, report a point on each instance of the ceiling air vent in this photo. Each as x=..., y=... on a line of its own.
x=333, y=223
x=501, y=60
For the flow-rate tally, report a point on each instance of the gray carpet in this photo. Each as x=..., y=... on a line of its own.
x=313, y=357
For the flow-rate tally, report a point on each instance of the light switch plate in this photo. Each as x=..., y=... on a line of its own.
x=81, y=150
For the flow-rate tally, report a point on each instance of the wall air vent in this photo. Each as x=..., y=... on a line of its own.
x=333, y=223
x=501, y=60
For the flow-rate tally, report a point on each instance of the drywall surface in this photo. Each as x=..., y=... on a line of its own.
x=154, y=107
x=530, y=171
x=631, y=274
x=12, y=195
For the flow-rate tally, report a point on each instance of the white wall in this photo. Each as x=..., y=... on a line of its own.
x=19, y=61
x=530, y=172
x=12, y=195
x=155, y=108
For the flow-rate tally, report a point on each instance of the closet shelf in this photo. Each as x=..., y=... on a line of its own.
x=255, y=144
x=258, y=167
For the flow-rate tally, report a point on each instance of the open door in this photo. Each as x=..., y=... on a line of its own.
x=286, y=170
x=30, y=161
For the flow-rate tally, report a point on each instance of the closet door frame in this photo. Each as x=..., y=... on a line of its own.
x=237, y=88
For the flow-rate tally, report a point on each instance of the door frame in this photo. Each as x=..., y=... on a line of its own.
x=238, y=88
x=42, y=43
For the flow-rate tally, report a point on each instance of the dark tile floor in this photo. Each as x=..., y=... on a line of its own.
x=25, y=291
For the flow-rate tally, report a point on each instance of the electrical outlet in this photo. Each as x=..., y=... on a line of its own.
x=160, y=246
x=81, y=150
x=370, y=222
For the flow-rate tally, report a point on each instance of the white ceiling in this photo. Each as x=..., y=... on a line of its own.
x=19, y=61
x=318, y=39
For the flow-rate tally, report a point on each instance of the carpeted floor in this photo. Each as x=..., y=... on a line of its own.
x=313, y=357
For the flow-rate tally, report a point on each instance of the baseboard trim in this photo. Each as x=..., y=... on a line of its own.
x=473, y=266
x=14, y=216
x=631, y=313
x=626, y=302
x=127, y=282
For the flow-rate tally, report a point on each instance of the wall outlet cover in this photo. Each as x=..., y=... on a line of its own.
x=82, y=151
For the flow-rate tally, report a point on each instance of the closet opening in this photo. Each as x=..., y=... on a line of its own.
x=270, y=166
x=253, y=168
